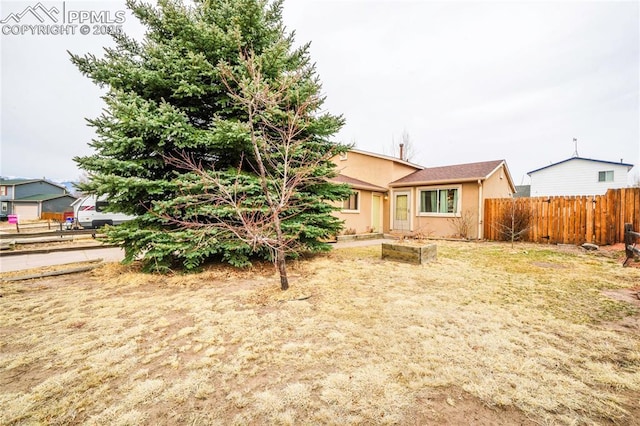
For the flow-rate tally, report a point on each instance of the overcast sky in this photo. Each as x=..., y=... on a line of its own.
x=468, y=81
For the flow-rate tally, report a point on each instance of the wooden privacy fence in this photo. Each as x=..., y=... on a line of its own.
x=597, y=219
x=56, y=216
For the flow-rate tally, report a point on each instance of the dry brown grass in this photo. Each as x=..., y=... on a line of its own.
x=526, y=333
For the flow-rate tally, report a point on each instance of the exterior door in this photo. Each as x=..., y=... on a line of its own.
x=401, y=211
x=376, y=213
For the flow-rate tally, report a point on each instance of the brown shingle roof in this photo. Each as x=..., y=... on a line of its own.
x=458, y=172
x=358, y=184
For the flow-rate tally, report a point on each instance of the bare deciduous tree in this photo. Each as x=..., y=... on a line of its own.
x=514, y=222
x=409, y=151
x=463, y=224
x=283, y=157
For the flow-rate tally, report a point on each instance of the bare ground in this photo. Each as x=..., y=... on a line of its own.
x=486, y=335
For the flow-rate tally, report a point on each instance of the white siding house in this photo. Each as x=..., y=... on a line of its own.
x=578, y=176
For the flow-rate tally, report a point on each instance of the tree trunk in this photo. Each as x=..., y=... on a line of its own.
x=282, y=268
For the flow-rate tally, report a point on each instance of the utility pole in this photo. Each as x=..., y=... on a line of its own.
x=575, y=144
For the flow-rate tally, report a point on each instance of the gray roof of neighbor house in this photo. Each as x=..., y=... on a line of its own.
x=43, y=197
x=456, y=173
x=22, y=181
x=358, y=184
x=629, y=166
x=522, y=191
x=12, y=182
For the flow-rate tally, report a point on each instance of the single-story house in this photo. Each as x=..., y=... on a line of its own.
x=401, y=197
x=578, y=176
x=29, y=198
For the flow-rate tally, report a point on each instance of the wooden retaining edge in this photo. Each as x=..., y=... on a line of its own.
x=51, y=234
x=54, y=250
x=95, y=264
x=359, y=237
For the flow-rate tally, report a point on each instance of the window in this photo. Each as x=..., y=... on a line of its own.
x=5, y=207
x=352, y=203
x=343, y=156
x=440, y=201
x=606, y=176
x=101, y=206
x=3, y=190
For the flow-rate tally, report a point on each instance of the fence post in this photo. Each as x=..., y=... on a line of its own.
x=628, y=240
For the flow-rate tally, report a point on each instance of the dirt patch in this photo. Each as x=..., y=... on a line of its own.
x=453, y=407
x=617, y=251
x=631, y=296
x=549, y=265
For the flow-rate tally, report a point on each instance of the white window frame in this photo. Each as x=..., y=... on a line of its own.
x=358, y=201
x=606, y=174
x=439, y=188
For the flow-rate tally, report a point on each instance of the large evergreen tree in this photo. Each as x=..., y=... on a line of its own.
x=197, y=109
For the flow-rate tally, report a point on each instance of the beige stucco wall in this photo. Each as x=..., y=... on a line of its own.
x=361, y=221
x=435, y=226
x=376, y=171
x=371, y=169
x=496, y=186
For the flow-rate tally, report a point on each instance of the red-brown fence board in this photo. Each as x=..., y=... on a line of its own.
x=56, y=216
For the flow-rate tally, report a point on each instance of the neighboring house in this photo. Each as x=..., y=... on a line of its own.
x=29, y=198
x=578, y=176
x=391, y=195
x=522, y=191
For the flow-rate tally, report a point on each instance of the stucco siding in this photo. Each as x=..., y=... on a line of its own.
x=361, y=221
x=576, y=177
x=378, y=171
x=497, y=185
x=435, y=226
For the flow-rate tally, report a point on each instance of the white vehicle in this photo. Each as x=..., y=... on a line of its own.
x=89, y=213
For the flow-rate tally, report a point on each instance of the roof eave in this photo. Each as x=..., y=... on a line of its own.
x=387, y=157
x=435, y=182
x=507, y=173
x=369, y=188
x=628, y=165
